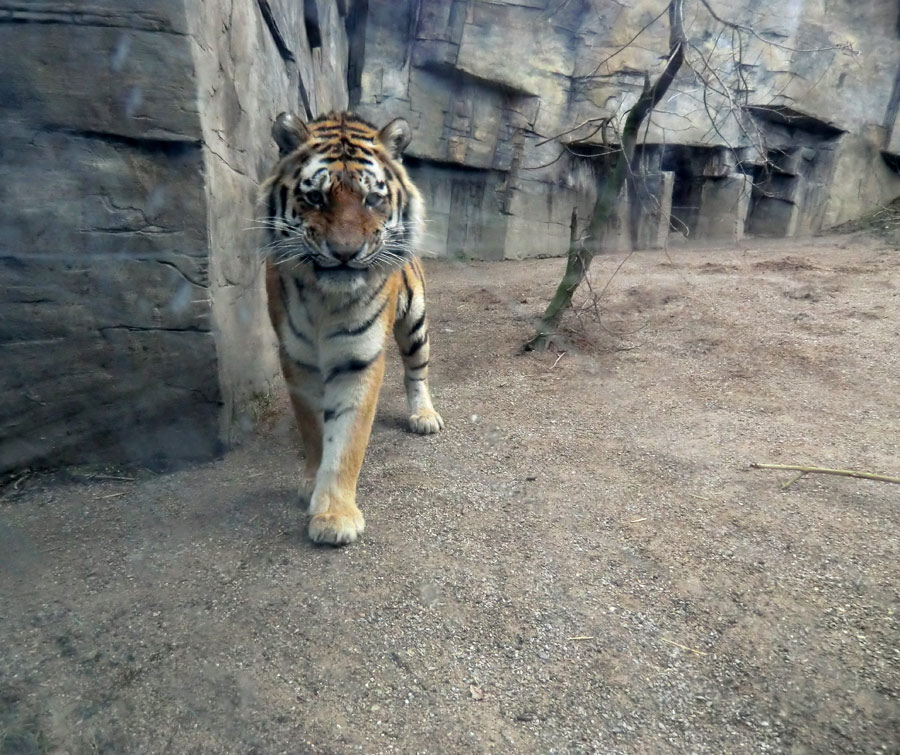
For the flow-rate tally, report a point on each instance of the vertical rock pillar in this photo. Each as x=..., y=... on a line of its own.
x=654, y=201
x=723, y=207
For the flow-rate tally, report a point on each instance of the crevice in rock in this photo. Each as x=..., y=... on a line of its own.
x=892, y=161
x=893, y=108
x=412, y=30
x=417, y=163
x=168, y=146
x=198, y=284
x=355, y=25
x=311, y=22
x=459, y=76
x=304, y=96
x=148, y=231
x=159, y=329
x=277, y=37
x=230, y=166
x=69, y=16
x=786, y=116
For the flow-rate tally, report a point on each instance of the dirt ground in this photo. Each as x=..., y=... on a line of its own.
x=581, y=562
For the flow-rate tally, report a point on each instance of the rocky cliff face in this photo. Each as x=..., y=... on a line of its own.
x=134, y=135
x=486, y=83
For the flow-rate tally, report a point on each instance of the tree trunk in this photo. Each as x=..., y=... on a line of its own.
x=581, y=255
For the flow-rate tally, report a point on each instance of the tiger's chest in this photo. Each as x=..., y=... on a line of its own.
x=320, y=330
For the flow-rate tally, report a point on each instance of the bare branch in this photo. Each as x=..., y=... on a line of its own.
x=579, y=258
x=825, y=470
x=572, y=130
x=845, y=46
x=721, y=89
x=625, y=46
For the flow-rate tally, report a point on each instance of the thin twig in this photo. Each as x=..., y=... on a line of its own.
x=683, y=647
x=571, y=130
x=626, y=45
x=793, y=480
x=826, y=470
x=845, y=46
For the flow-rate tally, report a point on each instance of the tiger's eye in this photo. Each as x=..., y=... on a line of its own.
x=374, y=200
x=315, y=198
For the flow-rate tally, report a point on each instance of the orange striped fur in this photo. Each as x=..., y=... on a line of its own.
x=344, y=223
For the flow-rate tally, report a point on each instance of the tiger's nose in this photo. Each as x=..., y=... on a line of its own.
x=345, y=252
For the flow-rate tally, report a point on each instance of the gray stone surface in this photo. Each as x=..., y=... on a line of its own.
x=723, y=207
x=134, y=136
x=107, y=345
x=653, y=198
x=861, y=179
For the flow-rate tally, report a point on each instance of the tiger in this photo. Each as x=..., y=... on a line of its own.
x=344, y=225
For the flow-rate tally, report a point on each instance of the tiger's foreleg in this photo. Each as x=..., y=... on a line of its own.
x=350, y=398
x=301, y=375
x=411, y=334
x=305, y=391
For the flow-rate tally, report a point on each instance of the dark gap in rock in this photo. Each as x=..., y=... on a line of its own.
x=687, y=163
x=893, y=108
x=415, y=163
x=171, y=147
x=304, y=96
x=892, y=161
x=791, y=118
x=311, y=22
x=355, y=24
x=788, y=195
x=283, y=50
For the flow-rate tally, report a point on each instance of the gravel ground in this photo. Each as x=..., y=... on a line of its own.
x=581, y=562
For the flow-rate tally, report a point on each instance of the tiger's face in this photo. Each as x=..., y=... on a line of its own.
x=340, y=201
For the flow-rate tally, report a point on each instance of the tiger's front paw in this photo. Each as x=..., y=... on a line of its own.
x=426, y=422
x=337, y=526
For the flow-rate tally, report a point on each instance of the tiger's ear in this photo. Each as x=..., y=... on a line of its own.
x=396, y=137
x=289, y=132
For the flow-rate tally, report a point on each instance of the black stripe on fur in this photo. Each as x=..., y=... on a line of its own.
x=363, y=327
x=350, y=366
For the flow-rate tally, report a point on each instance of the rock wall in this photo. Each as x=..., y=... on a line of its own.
x=133, y=137
x=252, y=61
x=486, y=83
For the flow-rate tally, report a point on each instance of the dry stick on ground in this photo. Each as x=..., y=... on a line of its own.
x=825, y=470
x=581, y=255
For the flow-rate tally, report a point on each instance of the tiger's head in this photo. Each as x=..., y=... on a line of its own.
x=340, y=200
